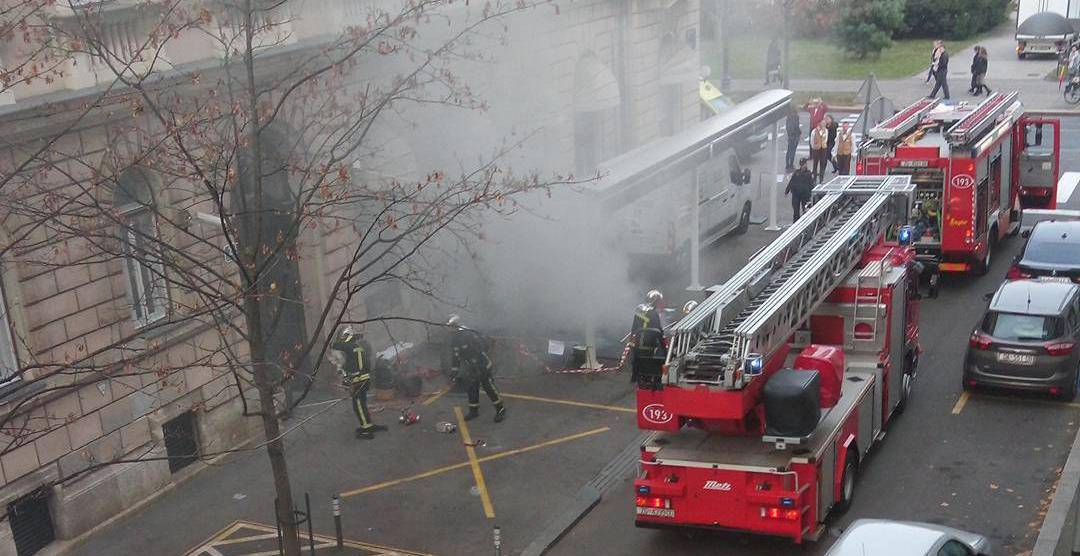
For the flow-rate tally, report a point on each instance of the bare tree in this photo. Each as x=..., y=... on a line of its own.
x=219, y=183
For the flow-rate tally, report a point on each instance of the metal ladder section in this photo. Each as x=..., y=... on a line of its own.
x=859, y=210
x=972, y=126
x=867, y=308
x=903, y=121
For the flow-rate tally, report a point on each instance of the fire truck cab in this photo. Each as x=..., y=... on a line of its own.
x=975, y=168
x=773, y=388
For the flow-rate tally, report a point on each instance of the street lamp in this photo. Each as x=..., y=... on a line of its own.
x=725, y=80
x=787, y=41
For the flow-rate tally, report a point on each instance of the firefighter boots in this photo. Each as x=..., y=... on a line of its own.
x=473, y=413
x=362, y=434
x=500, y=413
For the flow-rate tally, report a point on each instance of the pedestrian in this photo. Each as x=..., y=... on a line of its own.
x=939, y=69
x=974, y=68
x=772, y=62
x=830, y=143
x=845, y=144
x=646, y=317
x=469, y=356
x=817, y=110
x=794, y=135
x=819, y=141
x=356, y=370
x=981, y=64
x=800, y=186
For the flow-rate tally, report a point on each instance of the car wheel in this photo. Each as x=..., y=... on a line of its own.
x=847, y=485
x=983, y=266
x=744, y=220
x=1068, y=393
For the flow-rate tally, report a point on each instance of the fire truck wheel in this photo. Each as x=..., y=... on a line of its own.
x=847, y=485
x=905, y=391
x=744, y=220
x=983, y=266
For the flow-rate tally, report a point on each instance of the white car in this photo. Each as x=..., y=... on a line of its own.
x=881, y=537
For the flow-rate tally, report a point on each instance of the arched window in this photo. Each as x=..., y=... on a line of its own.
x=143, y=266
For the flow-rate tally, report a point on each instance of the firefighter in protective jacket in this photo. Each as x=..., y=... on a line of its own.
x=356, y=371
x=471, y=363
x=646, y=316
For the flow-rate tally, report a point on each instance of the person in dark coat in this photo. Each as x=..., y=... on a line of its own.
x=978, y=71
x=794, y=134
x=974, y=63
x=939, y=69
x=831, y=128
x=772, y=62
x=800, y=187
x=356, y=371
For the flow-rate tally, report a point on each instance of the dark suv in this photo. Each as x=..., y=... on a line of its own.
x=1027, y=338
x=1052, y=249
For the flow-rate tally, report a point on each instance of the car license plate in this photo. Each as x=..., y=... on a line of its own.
x=1016, y=358
x=656, y=512
x=1056, y=279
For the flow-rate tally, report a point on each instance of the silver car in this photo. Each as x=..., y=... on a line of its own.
x=879, y=537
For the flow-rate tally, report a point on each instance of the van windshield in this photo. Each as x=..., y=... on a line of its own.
x=1021, y=328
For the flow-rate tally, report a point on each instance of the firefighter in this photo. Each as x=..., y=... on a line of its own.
x=470, y=362
x=356, y=370
x=646, y=315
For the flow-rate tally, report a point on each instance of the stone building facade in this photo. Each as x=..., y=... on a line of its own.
x=589, y=80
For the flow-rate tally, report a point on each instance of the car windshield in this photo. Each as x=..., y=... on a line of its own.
x=1018, y=327
x=1057, y=252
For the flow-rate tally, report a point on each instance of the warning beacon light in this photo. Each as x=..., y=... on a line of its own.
x=904, y=236
x=754, y=365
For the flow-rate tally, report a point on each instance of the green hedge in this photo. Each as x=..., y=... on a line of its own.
x=952, y=19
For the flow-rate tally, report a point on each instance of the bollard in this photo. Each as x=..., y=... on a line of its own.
x=336, y=506
x=497, y=535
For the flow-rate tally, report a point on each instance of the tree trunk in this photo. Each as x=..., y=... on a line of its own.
x=275, y=445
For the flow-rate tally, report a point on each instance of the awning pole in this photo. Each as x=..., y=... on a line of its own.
x=695, y=234
x=778, y=177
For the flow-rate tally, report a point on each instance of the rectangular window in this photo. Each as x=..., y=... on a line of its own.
x=180, y=444
x=145, y=273
x=31, y=523
x=9, y=363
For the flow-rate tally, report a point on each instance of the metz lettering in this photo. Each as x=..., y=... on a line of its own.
x=717, y=485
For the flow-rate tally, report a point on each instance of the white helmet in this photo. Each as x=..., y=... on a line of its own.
x=453, y=320
x=347, y=331
x=690, y=305
x=654, y=295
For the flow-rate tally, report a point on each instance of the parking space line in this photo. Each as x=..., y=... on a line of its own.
x=436, y=395
x=570, y=402
x=478, y=475
x=1052, y=403
x=960, y=403
x=492, y=457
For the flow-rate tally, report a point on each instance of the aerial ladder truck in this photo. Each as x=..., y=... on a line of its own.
x=766, y=396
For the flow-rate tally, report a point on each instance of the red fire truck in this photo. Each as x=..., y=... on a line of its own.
x=975, y=168
x=771, y=391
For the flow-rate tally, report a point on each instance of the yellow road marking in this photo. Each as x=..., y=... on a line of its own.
x=478, y=475
x=571, y=402
x=960, y=403
x=438, y=394
x=492, y=457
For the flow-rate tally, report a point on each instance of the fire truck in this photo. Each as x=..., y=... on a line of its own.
x=766, y=397
x=975, y=168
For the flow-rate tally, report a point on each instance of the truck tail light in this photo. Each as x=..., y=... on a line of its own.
x=1059, y=348
x=652, y=502
x=788, y=514
x=1016, y=273
x=980, y=341
x=859, y=167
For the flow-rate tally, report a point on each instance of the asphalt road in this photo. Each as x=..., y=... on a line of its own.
x=985, y=464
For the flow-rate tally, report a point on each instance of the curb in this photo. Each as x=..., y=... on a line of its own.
x=1054, y=522
x=587, y=498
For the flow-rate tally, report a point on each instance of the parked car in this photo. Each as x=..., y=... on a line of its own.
x=881, y=537
x=1052, y=249
x=1027, y=339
